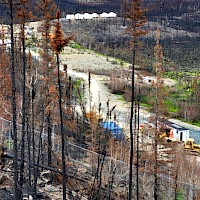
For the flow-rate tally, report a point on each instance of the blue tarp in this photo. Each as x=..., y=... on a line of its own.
x=115, y=129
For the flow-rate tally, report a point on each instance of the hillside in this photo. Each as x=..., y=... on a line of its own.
x=181, y=14
x=179, y=22
x=85, y=117
x=107, y=34
x=186, y=11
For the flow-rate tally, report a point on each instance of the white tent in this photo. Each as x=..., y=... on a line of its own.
x=70, y=17
x=112, y=14
x=104, y=15
x=87, y=16
x=78, y=16
x=95, y=15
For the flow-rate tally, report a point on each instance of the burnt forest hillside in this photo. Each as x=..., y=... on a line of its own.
x=183, y=14
x=179, y=22
x=91, y=111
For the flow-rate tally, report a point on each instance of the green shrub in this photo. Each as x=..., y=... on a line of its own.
x=74, y=45
x=171, y=106
x=114, y=62
x=180, y=195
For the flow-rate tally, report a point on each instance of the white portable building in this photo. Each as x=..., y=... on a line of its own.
x=104, y=15
x=87, y=16
x=112, y=15
x=78, y=16
x=70, y=17
x=175, y=131
x=95, y=15
x=180, y=133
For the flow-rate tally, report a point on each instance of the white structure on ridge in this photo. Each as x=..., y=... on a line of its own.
x=104, y=15
x=112, y=14
x=95, y=15
x=78, y=16
x=70, y=17
x=88, y=16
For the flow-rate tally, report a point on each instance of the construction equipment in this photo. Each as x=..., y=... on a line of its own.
x=167, y=137
x=190, y=144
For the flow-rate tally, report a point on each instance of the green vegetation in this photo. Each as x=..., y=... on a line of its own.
x=144, y=101
x=75, y=45
x=177, y=75
x=145, y=105
x=180, y=195
x=196, y=123
x=120, y=97
x=172, y=108
x=116, y=61
x=113, y=60
x=78, y=90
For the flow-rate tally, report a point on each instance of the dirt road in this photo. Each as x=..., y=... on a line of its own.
x=100, y=93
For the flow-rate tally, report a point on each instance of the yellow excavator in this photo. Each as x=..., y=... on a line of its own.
x=168, y=136
x=190, y=144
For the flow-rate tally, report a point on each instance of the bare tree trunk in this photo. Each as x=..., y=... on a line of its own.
x=137, y=145
x=131, y=125
x=49, y=127
x=14, y=109
x=28, y=135
x=23, y=105
x=40, y=144
x=156, y=148
x=33, y=136
x=62, y=132
x=28, y=131
x=49, y=130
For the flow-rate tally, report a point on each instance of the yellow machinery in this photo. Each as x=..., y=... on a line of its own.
x=190, y=144
x=168, y=137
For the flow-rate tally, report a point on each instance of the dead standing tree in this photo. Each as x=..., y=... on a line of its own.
x=136, y=20
x=23, y=15
x=47, y=11
x=58, y=42
x=14, y=106
x=159, y=104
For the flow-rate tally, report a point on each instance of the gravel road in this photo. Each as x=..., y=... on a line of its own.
x=86, y=61
x=100, y=93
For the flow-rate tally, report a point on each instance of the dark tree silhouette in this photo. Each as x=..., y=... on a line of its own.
x=136, y=20
x=58, y=42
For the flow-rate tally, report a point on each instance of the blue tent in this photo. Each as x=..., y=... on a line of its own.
x=114, y=129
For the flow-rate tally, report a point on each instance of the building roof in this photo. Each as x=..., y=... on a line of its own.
x=172, y=125
x=177, y=127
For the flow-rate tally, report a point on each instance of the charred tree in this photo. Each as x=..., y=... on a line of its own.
x=136, y=19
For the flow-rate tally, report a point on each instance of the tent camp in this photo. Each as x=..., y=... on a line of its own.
x=95, y=15
x=78, y=16
x=70, y=17
x=87, y=16
x=114, y=129
x=112, y=15
x=104, y=15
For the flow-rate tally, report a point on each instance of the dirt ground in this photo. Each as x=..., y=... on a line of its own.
x=79, y=64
